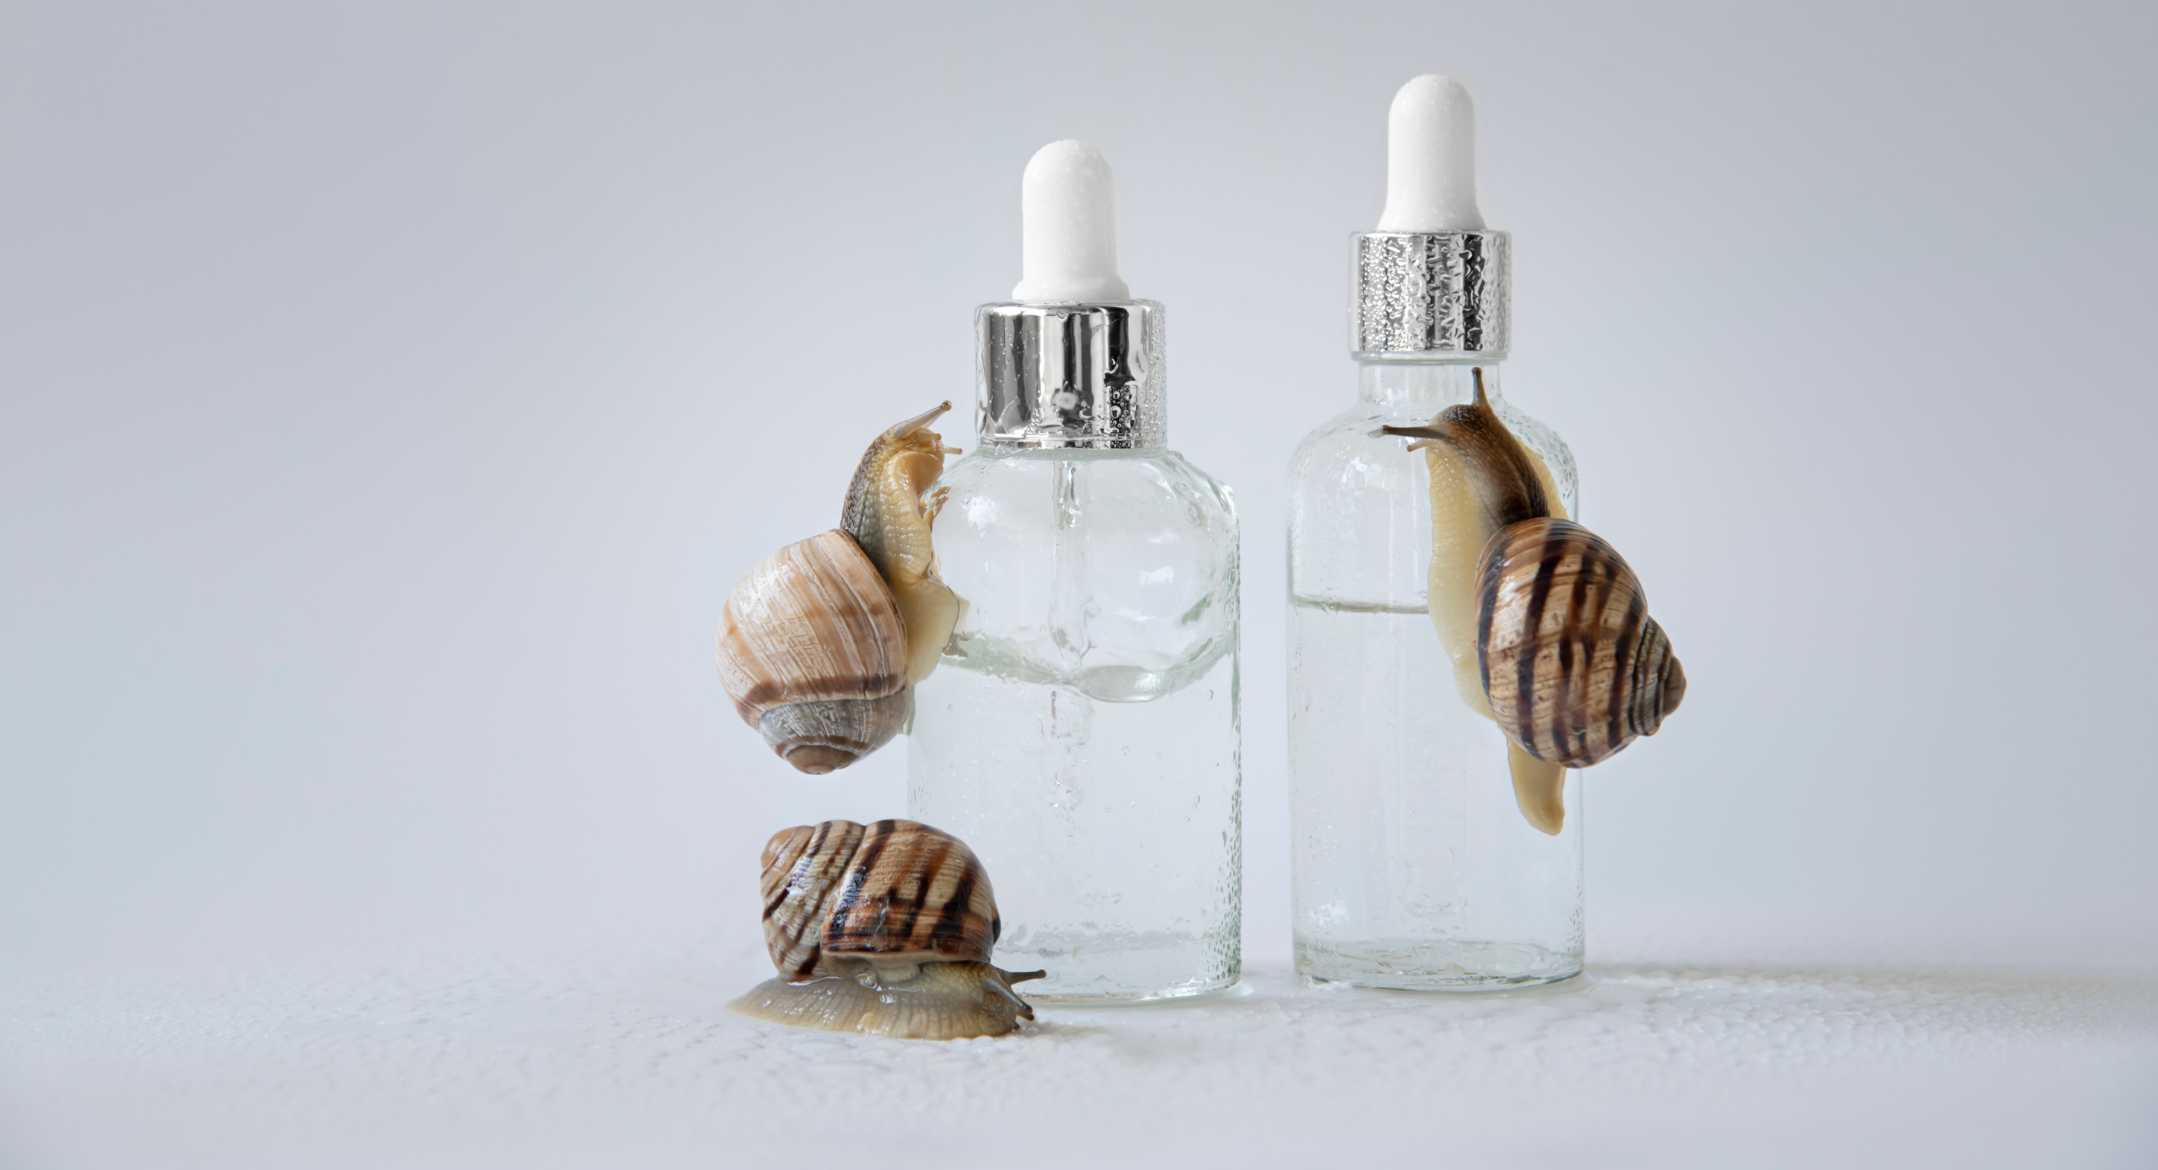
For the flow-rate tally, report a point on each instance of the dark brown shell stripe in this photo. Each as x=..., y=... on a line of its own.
x=1487, y=600
x=1624, y=673
x=780, y=853
x=1560, y=608
x=893, y=888
x=1593, y=582
x=1535, y=732
x=922, y=891
x=1602, y=668
x=1651, y=683
x=793, y=896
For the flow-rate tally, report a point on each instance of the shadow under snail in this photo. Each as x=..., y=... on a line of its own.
x=884, y=929
x=1547, y=626
x=821, y=643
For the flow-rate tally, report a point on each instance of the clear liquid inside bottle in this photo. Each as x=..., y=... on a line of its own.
x=1081, y=732
x=1413, y=866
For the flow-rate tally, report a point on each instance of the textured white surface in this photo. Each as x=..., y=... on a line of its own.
x=627, y=1056
x=389, y=393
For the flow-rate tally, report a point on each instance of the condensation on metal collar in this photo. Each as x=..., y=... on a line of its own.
x=1077, y=375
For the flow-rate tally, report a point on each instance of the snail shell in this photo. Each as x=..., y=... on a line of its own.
x=1572, y=665
x=813, y=652
x=820, y=642
x=883, y=928
x=894, y=889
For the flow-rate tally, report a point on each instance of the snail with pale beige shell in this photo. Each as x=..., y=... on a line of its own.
x=820, y=645
x=884, y=929
x=1547, y=626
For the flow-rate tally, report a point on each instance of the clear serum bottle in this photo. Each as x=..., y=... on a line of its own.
x=1413, y=866
x=1081, y=731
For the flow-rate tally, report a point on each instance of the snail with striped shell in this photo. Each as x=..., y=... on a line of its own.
x=1547, y=627
x=884, y=929
x=822, y=641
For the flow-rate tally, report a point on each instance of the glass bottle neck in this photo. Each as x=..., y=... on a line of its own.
x=1426, y=386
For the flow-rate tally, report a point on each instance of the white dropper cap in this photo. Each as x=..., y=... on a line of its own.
x=1067, y=207
x=1430, y=158
x=1432, y=280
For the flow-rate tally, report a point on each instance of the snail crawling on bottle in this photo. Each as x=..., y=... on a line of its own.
x=821, y=643
x=884, y=929
x=1547, y=626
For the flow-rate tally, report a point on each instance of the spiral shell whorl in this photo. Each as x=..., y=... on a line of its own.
x=895, y=891
x=813, y=652
x=1572, y=664
x=1659, y=682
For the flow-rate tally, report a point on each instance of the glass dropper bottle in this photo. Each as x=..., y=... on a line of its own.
x=1413, y=866
x=1081, y=731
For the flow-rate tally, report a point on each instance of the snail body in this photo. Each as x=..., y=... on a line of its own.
x=820, y=643
x=940, y=1001
x=1537, y=652
x=1482, y=479
x=885, y=514
x=886, y=929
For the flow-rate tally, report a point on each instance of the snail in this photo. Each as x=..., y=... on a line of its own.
x=820, y=643
x=884, y=929
x=1547, y=626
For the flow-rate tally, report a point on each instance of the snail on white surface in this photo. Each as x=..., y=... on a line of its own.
x=820, y=643
x=1547, y=627
x=884, y=929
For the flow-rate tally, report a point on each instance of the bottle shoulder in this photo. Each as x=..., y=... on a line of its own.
x=1114, y=572
x=1136, y=483
x=1349, y=446
x=1538, y=436
x=1195, y=479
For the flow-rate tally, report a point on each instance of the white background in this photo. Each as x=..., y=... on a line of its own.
x=392, y=394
